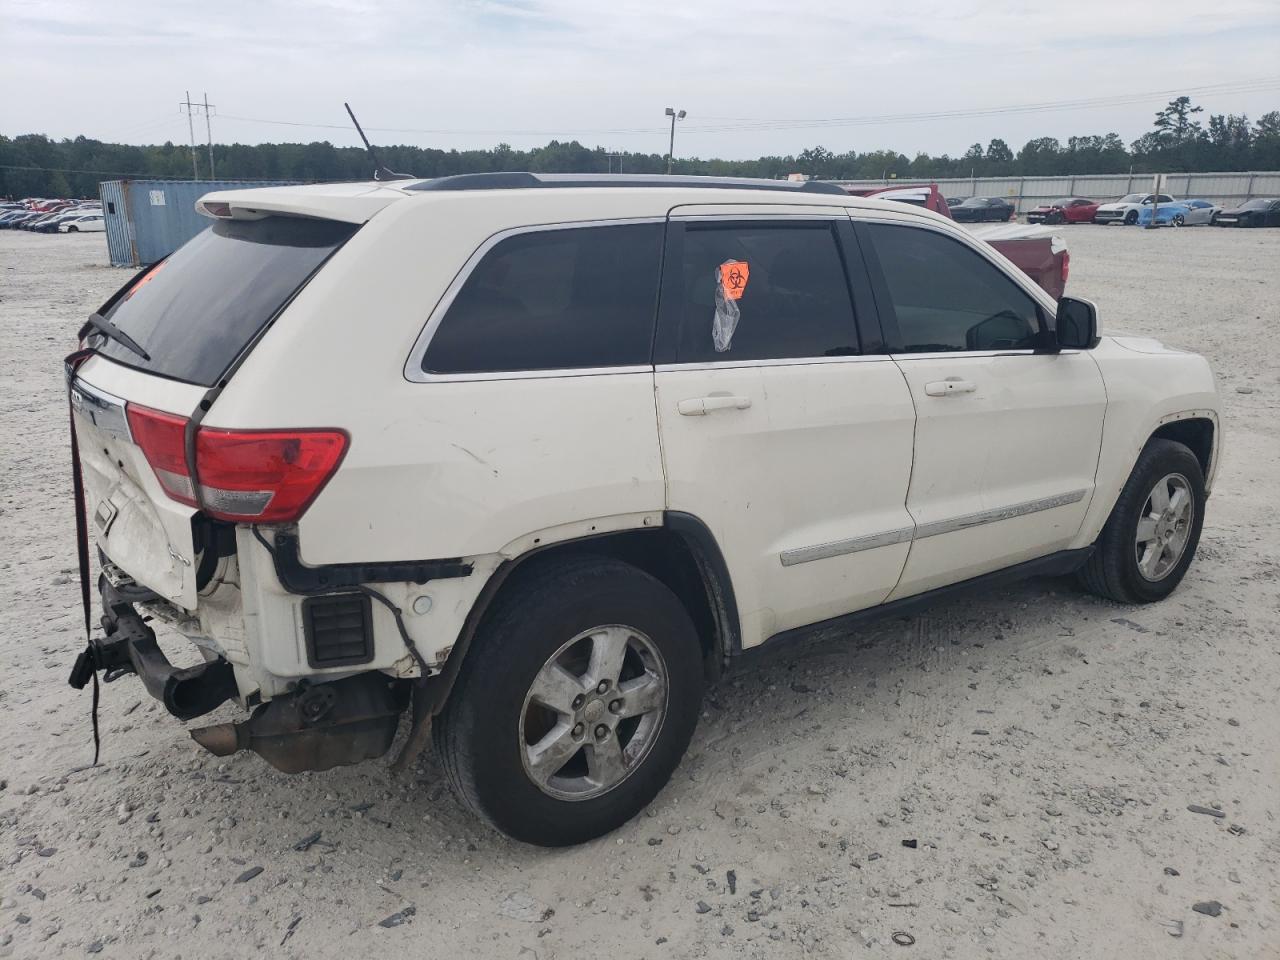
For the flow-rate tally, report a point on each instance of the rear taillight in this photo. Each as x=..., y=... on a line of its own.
x=264, y=476
x=162, y=437
x=245, y=476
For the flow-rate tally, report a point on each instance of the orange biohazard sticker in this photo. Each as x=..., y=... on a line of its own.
x=733, y=278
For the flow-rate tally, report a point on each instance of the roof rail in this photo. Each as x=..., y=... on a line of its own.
x=524, y=181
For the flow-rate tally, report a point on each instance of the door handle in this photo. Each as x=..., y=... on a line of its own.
x=701, y=406
x=949, y=386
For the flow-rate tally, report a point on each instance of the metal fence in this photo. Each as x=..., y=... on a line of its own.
x=1228, y=189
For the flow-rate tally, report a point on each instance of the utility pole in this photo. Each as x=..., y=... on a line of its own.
x=614, y=156
x=191, y=129
x=671, y=149
x=208, y=132
x=190, y=109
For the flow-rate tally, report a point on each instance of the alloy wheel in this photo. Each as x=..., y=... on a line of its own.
x=1164, y=527
x=593, y=712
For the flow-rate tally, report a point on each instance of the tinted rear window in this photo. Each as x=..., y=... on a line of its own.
x=196, y=311
x=572, y=298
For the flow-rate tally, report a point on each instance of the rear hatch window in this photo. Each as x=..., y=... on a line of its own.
x=196, y=311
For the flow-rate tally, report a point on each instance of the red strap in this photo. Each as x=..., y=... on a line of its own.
x=82, y=534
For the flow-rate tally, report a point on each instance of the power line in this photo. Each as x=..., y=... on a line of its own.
x=754, y=124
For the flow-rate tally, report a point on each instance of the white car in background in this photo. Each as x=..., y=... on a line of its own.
x=601, y=440
x=1126, y=209
x=88, y=223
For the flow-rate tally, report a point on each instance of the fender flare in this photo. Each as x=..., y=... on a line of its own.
x=431, y=693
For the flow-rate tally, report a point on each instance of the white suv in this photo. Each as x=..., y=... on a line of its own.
x=531, y=458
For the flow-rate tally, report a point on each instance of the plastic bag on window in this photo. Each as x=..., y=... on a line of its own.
x=731, y=282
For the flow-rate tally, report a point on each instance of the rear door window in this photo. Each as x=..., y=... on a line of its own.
x=196, y=311
x=763, y=291
x=564, y=299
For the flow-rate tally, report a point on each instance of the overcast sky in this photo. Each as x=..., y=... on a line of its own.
x=471, y=73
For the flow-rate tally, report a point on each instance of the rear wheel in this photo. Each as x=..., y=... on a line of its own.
x=575, y=704
x=1151, y=536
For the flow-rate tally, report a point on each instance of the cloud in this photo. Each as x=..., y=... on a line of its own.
x=603, y=72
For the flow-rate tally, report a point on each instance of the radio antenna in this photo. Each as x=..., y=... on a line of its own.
x=380, y=170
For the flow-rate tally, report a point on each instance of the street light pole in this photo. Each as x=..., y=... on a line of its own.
x=671, y=148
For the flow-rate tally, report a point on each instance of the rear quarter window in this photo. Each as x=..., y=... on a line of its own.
x=196, y=311
x=562, y=299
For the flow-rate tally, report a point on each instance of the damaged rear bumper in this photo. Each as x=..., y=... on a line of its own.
x=129, y=646
x=314, y=727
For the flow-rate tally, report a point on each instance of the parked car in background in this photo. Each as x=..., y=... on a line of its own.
x=1126, y=209
x=1252, y=213
x=1066, y=210
x=13, y=217
x=88, y=223
x=1031, y=248
x=983, y=209
x=955, y=201
x=1183, y=213
x=727, y=454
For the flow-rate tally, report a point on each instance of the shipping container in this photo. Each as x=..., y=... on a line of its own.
x=149, y=219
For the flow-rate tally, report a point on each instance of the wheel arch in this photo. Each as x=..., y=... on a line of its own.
x=682, y=553
x=1198, y=433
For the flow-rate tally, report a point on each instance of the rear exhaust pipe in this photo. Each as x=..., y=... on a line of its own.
x=222, y=739
x=318, y=727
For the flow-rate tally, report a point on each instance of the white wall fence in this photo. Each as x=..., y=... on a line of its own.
x=1027, y=192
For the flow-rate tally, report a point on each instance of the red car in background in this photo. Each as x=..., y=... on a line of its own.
x=1066, y=210
x=1040, y=255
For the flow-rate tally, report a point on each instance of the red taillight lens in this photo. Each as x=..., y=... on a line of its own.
x=265, y=476
x=162, y=437
x=246, y=476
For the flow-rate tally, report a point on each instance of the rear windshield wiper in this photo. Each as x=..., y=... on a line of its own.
x=109, y=330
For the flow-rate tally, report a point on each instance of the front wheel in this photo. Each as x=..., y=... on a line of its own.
x=1179, y=220
x=73, y=229
x=1151, y=536
x=575, y=703
x=1131, y=218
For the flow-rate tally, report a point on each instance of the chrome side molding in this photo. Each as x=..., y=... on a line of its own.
x=839, y=548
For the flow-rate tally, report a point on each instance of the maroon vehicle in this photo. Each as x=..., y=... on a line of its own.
x=1066, y=210
x=1042, y=257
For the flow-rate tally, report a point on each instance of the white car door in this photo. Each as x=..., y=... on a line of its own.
x=783, y=428
x=1007, y=435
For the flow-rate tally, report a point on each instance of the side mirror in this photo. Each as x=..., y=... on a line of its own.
x=1077, y=324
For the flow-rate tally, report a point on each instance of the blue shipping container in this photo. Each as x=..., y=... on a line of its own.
x=149, y=219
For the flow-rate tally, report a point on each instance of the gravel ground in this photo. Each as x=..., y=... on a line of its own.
x=998, y=776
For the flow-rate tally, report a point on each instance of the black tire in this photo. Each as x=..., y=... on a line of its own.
x=479, y=733
x=1112, y=571
x=1131, y=218
x=1054, y=219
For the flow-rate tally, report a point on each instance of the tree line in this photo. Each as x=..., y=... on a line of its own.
x=1179, y=141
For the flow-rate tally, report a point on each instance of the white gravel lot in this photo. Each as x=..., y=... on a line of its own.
x=1039, y=746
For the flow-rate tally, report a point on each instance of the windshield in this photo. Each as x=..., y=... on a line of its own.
x=1133, y=198
x=194, y=312
x=1064, y=202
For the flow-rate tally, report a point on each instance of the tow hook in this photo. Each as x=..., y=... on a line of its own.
x=316, y=727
